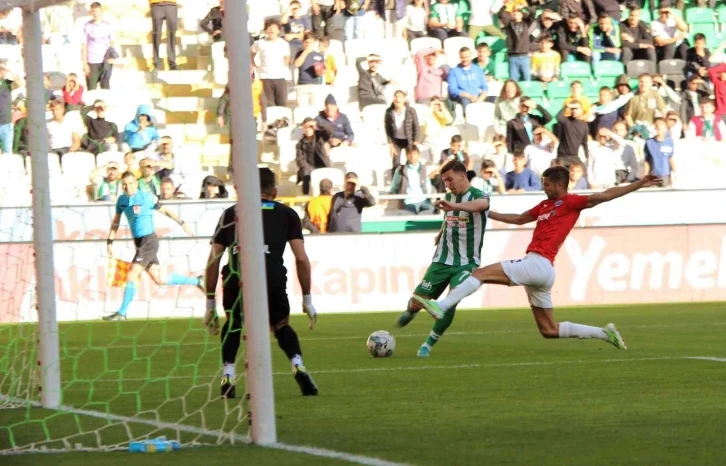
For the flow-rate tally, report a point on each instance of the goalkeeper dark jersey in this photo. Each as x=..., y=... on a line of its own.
x=280, y=224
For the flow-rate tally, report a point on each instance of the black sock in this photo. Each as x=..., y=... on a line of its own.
x=230, y=341
x=287, y=339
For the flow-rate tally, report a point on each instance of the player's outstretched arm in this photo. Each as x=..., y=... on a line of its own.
x=304, y=275
x=512, y=219
x=477, y=205
x=620, y=191
x=187, y=229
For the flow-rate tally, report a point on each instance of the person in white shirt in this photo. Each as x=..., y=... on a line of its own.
x=416, y=19
x=480, y=20
x=542, y=151
x=489, y=180
x=669, y=34
x=604, y=159
x=274, y=56
x=629, y=169
x=64, y=132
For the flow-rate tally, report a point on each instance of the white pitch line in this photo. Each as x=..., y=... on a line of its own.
x=307, y=450
x=431, y=367
x=405, y=335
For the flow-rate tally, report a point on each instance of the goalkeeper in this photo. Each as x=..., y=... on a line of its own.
x=458, y=247
x=281, y=225
x=139, y=207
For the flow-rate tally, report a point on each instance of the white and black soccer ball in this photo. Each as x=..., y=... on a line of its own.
x=381, y=344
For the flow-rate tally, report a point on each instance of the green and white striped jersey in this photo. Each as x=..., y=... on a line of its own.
x=462, y=232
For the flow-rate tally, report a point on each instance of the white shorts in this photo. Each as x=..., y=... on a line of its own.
x=536, y=274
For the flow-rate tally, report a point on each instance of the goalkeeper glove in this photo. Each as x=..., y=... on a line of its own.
x=309, y=309
x=211, y=321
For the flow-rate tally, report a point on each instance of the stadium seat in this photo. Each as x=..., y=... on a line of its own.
x=637, y=67
x=354, y=49
x=558, y=90
x=425, y=42
x=300, y=113
x=608, y=69
x=106, y=157
x=373, y=115
x=469, y=132
x=672, y=71
x=12, y=167
x=700, y=16
x=337, y=51
x=275, y=113
x=496, y=44
x=335, y=175
x=591, y=88
x=501, y=70
x=481, y=115
x=707, y=29
x=78, y=165
x=533, y=89
x=721, y=14
x=452, y=45
x=575, y=70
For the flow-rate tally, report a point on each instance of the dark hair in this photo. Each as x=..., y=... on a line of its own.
x=518, y=151
x=706, y=100
x=351, y=175
x=699, y=36
x=454, y=165
x=267, y=181
x=557, y=162
x=603, y=15
x=605, y=88
x=633, y=7
x=504, y=86
x=272, y=22
x=127, y=174
x=486, y=163
x=482, y=45
x=557, y=175
x=413, y=148
x=399, y=91
x=96, y=5
x=546, y=37
x=573, y=16
x=456, y=138
x=324, y=40
x=309, y=35
x=166, y=179
x=499, y=138
x=575, y=82
x=464, y=49
x=660, y=119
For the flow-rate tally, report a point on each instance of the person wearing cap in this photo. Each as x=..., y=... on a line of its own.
x=707, y=125
x=520, y=129
x=106, y=188
x=311, y=151
x=101, y=135
x=637, y=42
x=317, y=209
x=430, y=75
x=643, y=106
x=371, y=85
x=691, y=97
x=574, y=132
x=669, y=35
x=346, y=212
x=335, y=124
x=401, y=125
x=467, y=83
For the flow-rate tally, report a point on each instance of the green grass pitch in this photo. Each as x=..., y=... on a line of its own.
x=493, y=392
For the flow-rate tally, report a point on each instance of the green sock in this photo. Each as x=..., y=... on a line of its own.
x=440, y=327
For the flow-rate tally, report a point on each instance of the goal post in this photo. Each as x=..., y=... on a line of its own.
x=48, y=342
x=249, y=226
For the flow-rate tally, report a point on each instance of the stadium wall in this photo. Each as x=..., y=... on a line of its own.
x=357, y=273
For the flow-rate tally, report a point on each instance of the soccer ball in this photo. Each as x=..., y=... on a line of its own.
x=381, y=344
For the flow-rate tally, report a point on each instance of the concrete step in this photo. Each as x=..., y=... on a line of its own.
x=203, y=117
x=186, y=104
x=180, y=77
x=182, y=62
x=147, y=50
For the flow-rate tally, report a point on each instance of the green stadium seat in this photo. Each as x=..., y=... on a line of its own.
x=721, y=12
x=554, y=107
x=606, y=81
x=700, y=16
x=575, y=70
x=500, y=57
x=590, y=88
x=501, y=70
x=496, y=44
x=533, y=89
x=608, y=68
x=558, y=90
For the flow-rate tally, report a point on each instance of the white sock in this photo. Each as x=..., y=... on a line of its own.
x=296, y=361
x=229, y=370
x=570, y=330
x=466, y=288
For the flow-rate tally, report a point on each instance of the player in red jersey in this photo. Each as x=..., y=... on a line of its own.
x=555, y=217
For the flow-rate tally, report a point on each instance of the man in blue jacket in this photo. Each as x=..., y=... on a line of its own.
x=140, y=133
x=467, y=83
x=335, y=123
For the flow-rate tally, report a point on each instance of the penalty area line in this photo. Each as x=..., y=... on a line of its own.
x=303, y=449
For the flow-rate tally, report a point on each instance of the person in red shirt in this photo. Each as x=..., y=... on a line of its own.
x=555, y=217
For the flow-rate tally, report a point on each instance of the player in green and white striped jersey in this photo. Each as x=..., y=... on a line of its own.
x=458, y=247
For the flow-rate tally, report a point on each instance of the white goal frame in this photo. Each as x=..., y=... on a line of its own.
x=249, y=231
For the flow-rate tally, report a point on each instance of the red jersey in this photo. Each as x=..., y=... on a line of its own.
x=555, y=219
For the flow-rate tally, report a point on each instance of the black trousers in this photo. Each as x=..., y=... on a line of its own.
x=275, y=91
x=670, y=51
x=160, y=13
x=97, y=76
x=326, y=12
x=638, y=54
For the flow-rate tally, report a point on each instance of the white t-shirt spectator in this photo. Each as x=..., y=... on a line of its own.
x=482, y=11
x=415, y=18
x=539, y=157
x=601, y=166
x=667, y=29
x=271, y=54
x=60, y=135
